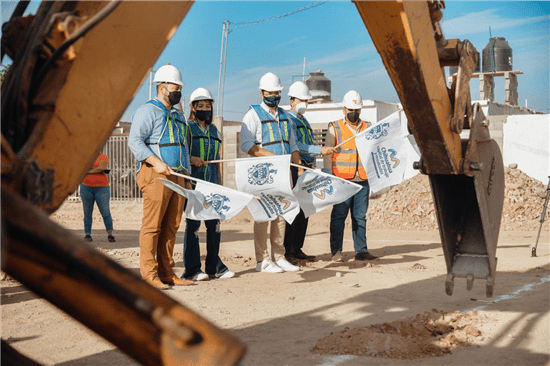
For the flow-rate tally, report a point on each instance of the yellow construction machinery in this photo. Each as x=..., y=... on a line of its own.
x=77, y=65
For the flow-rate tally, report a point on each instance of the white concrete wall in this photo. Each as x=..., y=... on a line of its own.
x=527, y=143
x=319, y=115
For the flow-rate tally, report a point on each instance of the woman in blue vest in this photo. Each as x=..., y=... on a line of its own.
x=206, y=143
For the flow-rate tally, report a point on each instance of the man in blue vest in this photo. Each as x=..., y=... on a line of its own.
x=206, y=144
x=266, y=131
x=295, y=233
x=159, y=139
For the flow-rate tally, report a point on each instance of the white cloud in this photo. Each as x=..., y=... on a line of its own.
x=479, y=22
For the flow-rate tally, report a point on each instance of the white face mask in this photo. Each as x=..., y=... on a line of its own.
x=301, y=107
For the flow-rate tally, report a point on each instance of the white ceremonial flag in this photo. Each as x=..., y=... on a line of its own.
x=268, y=178
x=383, y=152
x=316, y=191
x=226, y=201
x=210, y=201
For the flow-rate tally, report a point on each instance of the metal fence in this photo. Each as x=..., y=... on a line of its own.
x=122, y=177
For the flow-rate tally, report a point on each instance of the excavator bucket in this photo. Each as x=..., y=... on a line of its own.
x=469, y=208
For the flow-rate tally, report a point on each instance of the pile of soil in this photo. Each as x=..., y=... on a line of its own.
x=409, y=205
x=431, y=334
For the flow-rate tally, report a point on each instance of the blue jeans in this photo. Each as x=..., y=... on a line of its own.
x=191, y=248
x=358, y=205
x=100, y=195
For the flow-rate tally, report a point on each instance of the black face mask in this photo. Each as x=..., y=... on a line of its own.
x=205, y=116
x=353, y=116
x=272, y=101
x=174, y=97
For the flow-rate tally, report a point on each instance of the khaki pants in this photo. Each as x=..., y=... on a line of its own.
x=277, y=236
x=162, y=212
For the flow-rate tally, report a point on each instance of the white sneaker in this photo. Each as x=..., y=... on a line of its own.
x=226, y=274
x=268, y=266
x=287, y=266
x=200, y=276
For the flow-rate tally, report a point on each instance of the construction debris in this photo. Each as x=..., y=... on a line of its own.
x=409, y=205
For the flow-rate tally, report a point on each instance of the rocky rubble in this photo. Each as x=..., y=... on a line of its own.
x=409, y=206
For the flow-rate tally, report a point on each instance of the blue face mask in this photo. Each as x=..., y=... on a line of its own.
x=272, y=101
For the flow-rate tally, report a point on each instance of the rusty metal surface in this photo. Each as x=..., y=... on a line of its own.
x=69, y=116
x=404, y=36
x=469, y=208
x=72, y=275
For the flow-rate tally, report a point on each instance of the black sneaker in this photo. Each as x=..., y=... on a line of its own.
x=304, y=256
x=88, y=238
x=365, y=257
x=111, y=238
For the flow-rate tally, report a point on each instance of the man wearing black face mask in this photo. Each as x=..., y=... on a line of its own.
x=266, y=131
x=206, y=144
x=345, y=163
x=159, y=139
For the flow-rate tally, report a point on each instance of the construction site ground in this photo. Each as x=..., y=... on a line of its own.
x=390, y=311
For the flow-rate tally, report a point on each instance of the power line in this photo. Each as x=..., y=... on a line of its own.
x=247, y=24
x=227, y=28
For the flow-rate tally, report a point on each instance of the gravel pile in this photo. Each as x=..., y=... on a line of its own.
x=409, y=206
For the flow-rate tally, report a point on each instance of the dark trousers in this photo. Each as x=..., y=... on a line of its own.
x=191, y=248
x=295, y=234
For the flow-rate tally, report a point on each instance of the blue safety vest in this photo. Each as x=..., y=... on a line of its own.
x=172, y=148
x=275, y=135
x=206, y=145
x=304, y=134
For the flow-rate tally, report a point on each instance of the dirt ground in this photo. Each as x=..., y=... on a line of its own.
x=349, y=313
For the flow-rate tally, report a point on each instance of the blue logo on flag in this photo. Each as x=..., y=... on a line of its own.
x=217, y=201
x=393, y=153
x=378, y=131
x=261, y=174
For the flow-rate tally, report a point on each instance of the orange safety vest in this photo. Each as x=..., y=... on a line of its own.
x=346, y=161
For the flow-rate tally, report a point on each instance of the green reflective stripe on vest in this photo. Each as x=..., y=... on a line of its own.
x=169, y=123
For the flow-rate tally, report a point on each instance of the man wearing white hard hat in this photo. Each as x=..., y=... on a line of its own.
x=346, y=163
x=206, y=144
x=159, y=139
x=295, y=233
x=266, y=131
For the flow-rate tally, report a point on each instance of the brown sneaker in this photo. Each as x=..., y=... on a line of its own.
x=337, y=257
x=176, y=281
x=156, y=283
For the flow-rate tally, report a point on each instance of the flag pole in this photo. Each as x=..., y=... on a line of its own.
x=228, y=160
x=196, y=180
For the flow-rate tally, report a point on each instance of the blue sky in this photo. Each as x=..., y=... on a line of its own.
x=332, y=37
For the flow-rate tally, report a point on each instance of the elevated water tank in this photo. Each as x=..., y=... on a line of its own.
x=319, y=86
x=454, y=69
x=497, y=55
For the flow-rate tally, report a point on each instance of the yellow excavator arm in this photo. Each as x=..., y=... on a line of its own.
x=77, y=65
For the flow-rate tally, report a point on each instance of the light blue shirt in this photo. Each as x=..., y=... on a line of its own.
x=147, y=123
x=251, y=130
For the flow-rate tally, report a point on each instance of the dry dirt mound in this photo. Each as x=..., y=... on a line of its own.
x=431, y=334
x=409, y=205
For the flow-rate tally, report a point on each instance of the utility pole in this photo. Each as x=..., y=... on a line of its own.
x=221, y=76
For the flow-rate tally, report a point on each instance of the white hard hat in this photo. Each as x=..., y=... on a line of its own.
x=168, y=74
x=352, y=100
x=270, y=82
x=299, y=90
x=200, y=94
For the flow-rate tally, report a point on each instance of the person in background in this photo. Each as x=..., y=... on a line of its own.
x=206, y=144
x=295, y=233
x=346, y=163
x=266, y=131
x=95, y=189
x=159, y=139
